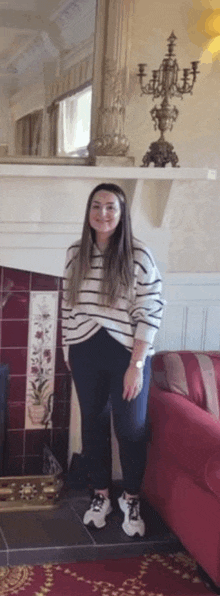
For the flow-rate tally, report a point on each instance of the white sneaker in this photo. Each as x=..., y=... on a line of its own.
x=133, y=523
x=100, y=507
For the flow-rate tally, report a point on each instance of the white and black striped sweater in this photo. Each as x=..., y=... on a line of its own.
x=139, y=318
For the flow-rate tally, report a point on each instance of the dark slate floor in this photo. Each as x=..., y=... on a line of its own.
x=58, y=535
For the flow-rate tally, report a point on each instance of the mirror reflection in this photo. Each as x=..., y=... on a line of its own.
x=46, y=61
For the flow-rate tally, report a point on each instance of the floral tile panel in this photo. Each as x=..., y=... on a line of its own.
x=41, y=359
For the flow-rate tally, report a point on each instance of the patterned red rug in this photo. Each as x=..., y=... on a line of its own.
x=148, y=575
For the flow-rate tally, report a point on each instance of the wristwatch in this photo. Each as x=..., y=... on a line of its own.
x=137, y=363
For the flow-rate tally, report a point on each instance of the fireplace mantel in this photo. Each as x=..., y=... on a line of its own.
x=93, y=172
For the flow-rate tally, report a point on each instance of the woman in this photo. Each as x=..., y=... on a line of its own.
x=111, y=311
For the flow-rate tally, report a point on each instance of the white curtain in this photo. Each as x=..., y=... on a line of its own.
x=74, y=123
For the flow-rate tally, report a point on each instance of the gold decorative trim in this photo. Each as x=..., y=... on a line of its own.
x=33, y=492
x=14, y=579
x=29, y=492
x=179, y=564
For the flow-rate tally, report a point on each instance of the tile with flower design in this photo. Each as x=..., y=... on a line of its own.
x=41, y=359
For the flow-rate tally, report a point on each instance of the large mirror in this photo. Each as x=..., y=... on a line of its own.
x=46, y=62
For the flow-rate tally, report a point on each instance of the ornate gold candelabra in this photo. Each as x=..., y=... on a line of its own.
x=164, y=83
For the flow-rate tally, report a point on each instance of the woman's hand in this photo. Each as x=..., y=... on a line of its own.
x=133, y=382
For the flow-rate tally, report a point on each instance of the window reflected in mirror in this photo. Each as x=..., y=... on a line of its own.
x=73, y=127
x=69, y=126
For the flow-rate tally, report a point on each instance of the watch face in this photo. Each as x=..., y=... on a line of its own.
x=139, y=364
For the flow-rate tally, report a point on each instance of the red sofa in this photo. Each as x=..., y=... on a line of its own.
x=182, y=478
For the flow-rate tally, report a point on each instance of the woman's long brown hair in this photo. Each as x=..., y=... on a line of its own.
x=118, y=258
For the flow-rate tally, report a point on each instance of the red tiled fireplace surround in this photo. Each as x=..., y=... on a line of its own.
x=23, y=450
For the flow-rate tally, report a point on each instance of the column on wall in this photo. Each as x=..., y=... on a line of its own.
x=110, y=81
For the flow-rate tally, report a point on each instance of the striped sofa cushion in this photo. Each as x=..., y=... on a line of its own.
x=196, y=375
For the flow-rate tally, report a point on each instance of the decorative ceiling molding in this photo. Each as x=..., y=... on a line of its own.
x=19, y=41
x=70, y=9
x=76, y=21
x=49, y=45
x=37, y=51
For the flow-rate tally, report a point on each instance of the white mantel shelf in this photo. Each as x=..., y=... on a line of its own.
x=134, y=173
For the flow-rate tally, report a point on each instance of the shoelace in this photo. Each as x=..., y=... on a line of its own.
x=134, y=509
x=97, y=502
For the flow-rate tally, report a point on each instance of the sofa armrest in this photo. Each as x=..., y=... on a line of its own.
x=190, y=435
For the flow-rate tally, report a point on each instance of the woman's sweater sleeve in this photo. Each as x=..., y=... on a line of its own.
x=147, y=306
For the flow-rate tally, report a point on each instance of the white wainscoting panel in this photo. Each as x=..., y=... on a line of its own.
x=212, y=335
x=192, y=313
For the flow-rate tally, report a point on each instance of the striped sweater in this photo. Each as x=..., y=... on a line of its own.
x=137, y=318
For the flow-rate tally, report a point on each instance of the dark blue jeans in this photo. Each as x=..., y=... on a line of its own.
x=98, y=366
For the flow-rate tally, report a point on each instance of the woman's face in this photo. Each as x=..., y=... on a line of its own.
x=105, y=213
